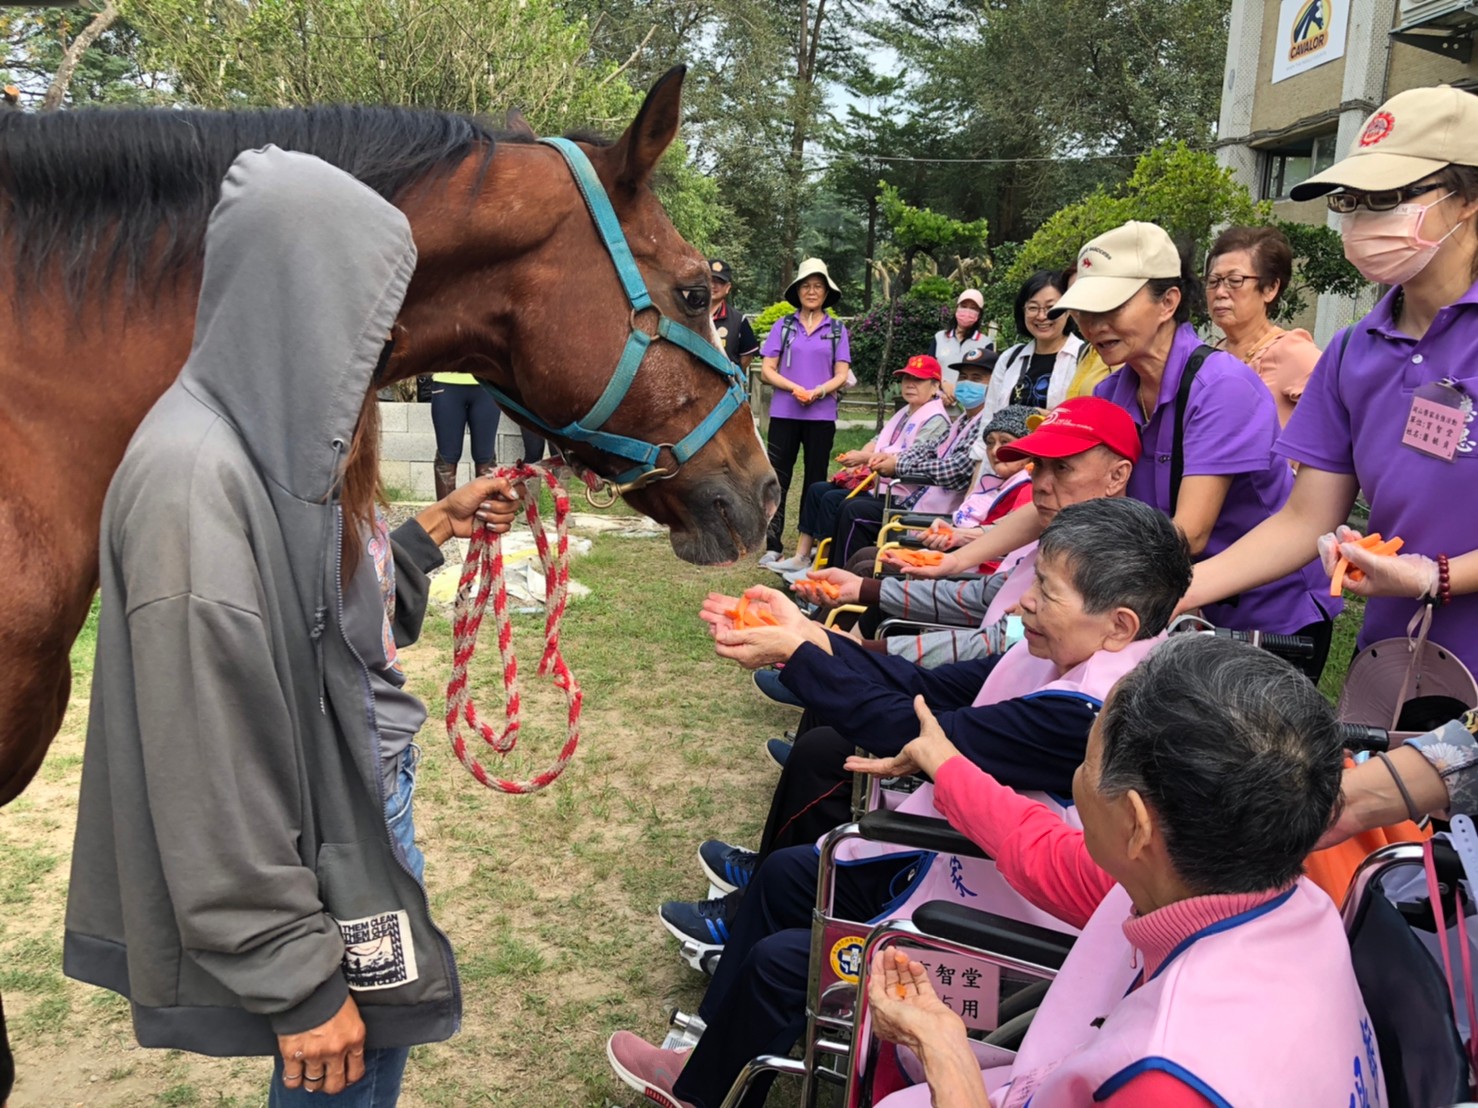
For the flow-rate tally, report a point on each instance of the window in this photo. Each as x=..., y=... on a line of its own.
x=1295, y=163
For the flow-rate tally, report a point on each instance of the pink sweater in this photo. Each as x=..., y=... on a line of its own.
x=1046, y=861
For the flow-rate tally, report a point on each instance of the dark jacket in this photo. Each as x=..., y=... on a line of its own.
x=231, y=828
x=1032, y=742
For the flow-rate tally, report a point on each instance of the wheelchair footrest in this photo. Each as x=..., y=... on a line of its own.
x=1024, y=942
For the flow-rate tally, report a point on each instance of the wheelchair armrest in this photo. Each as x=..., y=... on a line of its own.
x=920, y=832
x=1025, y=942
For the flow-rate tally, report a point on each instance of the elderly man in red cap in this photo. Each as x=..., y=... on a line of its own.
x=1084, y=449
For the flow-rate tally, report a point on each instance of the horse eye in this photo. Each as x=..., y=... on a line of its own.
x=696, y=298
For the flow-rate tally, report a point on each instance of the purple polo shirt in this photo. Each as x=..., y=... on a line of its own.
x=1231, y=423
x=1351, y=419
x=807, y=363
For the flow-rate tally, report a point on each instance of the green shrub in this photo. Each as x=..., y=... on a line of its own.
x=914, y=326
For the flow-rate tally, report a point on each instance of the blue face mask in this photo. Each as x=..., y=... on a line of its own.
x=969, y=394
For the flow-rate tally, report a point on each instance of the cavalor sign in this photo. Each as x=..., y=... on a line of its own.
x=1310, y=33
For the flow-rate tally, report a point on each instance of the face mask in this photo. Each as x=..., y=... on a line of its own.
x=977, y=448
x=1388, y=247
x=966, y=317
x=970, y=394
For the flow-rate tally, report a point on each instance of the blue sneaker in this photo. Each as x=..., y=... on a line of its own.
x=728, y=866
x=767, y=681
x=705, y=923
x=778, y=750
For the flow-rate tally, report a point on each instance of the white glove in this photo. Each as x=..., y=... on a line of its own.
x=1413, y=575
x=1328, y=546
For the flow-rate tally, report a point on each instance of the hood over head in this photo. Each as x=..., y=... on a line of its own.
x=305, y=272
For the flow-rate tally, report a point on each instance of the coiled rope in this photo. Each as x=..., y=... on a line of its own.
x=482, y=577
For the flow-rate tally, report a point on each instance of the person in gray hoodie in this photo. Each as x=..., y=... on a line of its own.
x=245, y=869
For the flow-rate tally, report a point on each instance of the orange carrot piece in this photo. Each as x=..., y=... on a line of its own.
x=1337, y=579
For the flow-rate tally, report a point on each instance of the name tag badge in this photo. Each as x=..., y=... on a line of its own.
x=1436, y=423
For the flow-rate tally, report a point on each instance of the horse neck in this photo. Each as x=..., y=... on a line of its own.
x=473, y=237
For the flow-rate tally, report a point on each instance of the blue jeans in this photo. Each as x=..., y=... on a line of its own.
x=380, y=1085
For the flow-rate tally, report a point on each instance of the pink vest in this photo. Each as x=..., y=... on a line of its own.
x=988, y=488
x=1020, y=565
x=1260, y=1009
x=976, y=882
x=942, y=501
x=899, y=433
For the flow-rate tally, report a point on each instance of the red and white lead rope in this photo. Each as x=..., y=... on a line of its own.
x=483, y=576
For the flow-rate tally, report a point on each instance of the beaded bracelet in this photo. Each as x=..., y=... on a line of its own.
x=1442, y=590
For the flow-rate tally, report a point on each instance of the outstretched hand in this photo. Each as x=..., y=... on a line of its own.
x=755, y=647
x=849, y=586
x=905, y=1008
x=945, y=567
x=924, y=754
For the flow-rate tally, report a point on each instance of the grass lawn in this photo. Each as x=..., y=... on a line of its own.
x=550, y=899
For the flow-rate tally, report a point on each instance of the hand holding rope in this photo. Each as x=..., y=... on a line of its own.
x=483, y=576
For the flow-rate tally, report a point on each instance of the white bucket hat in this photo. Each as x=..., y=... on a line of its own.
x=1116, y=265
x=813, y=267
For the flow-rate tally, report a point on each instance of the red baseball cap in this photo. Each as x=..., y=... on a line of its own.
x=922, y=365
x=1075, y=426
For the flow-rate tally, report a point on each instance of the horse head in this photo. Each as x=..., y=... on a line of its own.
x=549, y=332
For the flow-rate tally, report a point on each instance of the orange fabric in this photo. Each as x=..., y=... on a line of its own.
x=1333, y=869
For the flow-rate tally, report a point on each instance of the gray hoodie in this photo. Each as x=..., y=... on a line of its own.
x=231, y=835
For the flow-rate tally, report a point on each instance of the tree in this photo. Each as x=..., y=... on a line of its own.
x=916, y=231
x=1192, y=198
x=102, y=70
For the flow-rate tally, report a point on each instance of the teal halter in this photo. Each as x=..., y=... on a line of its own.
x=587, y=428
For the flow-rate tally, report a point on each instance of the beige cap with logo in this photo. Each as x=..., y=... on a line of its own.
x=1412, y=135
x=1116, y=265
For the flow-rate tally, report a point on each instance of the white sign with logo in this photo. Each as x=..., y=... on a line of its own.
x=1310, y=33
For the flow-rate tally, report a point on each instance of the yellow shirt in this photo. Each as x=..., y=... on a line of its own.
x=1091, y=370
x=454, y=378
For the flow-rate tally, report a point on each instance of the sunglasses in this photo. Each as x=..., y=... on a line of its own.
x=1382, y=201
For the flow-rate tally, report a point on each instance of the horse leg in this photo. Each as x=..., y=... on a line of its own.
x=32, y=700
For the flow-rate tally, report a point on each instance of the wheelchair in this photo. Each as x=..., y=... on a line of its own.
x=1405, y=993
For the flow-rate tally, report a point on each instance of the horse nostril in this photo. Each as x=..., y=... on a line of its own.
x=770, y=495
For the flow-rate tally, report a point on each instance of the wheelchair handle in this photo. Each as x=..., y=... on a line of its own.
x=1359, y=736
x=1285, y=646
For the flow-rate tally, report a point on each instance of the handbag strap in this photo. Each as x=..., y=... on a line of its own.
x=1182, y=399
x=1434, y=894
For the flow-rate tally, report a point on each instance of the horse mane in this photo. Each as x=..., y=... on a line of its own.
x=108, y=191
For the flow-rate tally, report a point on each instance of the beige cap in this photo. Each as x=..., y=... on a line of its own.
x=971, y=294
x=1412, y=135
x=813, y=267
x=1116, y=265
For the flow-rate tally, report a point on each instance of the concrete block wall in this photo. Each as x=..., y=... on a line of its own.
x=408, y=447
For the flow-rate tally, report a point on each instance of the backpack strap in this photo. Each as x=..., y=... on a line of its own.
x=1182, y=398
x=787, y=332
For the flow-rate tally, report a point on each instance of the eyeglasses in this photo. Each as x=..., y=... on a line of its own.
x=1233, y=281
x=1040, y=309
x=1382, y=201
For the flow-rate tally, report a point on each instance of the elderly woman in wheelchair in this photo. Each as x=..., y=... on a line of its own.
x=1209, y=971
x=1108, y=576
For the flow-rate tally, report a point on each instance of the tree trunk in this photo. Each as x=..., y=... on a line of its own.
x=57, y=92
x=867, y=252
x=886, y=360
x=808, y=40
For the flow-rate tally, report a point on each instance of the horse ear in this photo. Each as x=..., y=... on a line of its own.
x=652, y=131
x=515, y=124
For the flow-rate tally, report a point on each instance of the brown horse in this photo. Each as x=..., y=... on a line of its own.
x=102, y=216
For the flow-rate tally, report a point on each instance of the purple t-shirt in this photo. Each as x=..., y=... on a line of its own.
x=1351, y=419
x=1231, y=423
x=808, y=363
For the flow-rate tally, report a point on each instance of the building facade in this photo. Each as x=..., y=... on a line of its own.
x=1303, y=75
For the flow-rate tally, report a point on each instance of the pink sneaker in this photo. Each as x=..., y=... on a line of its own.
x=648, y=1069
